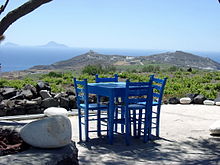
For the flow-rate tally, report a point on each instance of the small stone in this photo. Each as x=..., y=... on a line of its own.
x=215, y=128
x=185, y=100
x=50, y=132
x=174, y=100
x=55, y=111
x=217, y=99
x=208, y=102
x=199, y=99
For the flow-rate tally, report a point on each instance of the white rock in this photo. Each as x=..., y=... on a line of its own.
x=55, y=111
x=208, y=102
x=185, y=100
x=50, y=132
x=217, y=103
x=215, y=128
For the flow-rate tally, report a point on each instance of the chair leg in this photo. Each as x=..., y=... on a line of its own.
x=116, y=120
x=98, y=122
x=87, y=124
x=122, y=117
x=139, y=122
x=158, y=121
x=134, y=123
x=127, y=127
x=80, y=124
x=146, y=126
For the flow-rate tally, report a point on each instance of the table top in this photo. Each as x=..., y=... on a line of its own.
x=112, y=89
x=109, y=85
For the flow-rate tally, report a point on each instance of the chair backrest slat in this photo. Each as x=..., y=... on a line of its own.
x=106, y=79
x=157, y=87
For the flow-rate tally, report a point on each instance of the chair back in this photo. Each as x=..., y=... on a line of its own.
x=138, y=92
x=81, y=90
x=106, y=79
x=159, y=85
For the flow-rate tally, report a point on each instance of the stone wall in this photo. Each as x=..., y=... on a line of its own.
x=33, y=99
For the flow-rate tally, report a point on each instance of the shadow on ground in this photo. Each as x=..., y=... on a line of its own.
x=160, y=151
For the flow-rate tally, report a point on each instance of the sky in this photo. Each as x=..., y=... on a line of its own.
x=124, y=24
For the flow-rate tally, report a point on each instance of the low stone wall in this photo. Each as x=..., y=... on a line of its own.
x=67, y=155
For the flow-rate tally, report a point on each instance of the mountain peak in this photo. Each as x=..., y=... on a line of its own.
x=53, y=44
x=10, y=44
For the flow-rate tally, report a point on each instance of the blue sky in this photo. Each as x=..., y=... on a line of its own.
x=134, y=24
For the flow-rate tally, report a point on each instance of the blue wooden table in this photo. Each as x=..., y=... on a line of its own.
x=111, y=90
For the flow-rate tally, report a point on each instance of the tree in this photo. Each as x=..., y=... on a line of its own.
x=17, y=13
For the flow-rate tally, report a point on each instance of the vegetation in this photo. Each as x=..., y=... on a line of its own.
x=180, y=81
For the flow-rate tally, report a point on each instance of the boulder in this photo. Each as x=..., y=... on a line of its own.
x=42, y=86
x=31, y=88
x=72, y=102
x=38, y=100
x=45, y=94
x=50, y=102
x=199, y=99
x=58, y=95
x=51, y=132
x=215, y=128
x=55, y=111
x=1, y=98
x=64, y=102
x=70, y=91
x=9, y=92
x=185, y=100
x=27, y=94
x=208, y=102
x=174, y=100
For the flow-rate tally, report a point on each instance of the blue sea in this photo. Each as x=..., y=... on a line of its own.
x=21, y=58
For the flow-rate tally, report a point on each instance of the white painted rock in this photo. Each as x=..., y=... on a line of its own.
x=208, y=102
x=215, y=128
x=217, y=103
x=51, y=132
x=55, y=111
x=185, y=100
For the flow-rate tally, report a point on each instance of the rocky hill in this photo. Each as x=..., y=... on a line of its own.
x=178, y=58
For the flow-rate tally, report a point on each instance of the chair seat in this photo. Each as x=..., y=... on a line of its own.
x=94, y=106
x=154, y=103
x=136, y=106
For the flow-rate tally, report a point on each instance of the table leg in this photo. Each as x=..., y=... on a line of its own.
x=111, y=119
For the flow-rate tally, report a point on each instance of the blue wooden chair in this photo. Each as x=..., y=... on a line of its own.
x=137, y=92
x=159, y=85
x=83, y=104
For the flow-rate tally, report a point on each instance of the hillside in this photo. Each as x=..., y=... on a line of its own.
x=178, y=58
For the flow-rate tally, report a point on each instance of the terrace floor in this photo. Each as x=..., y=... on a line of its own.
x=184, y=139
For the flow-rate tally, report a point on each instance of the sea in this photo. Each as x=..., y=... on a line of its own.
x=15, y=58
